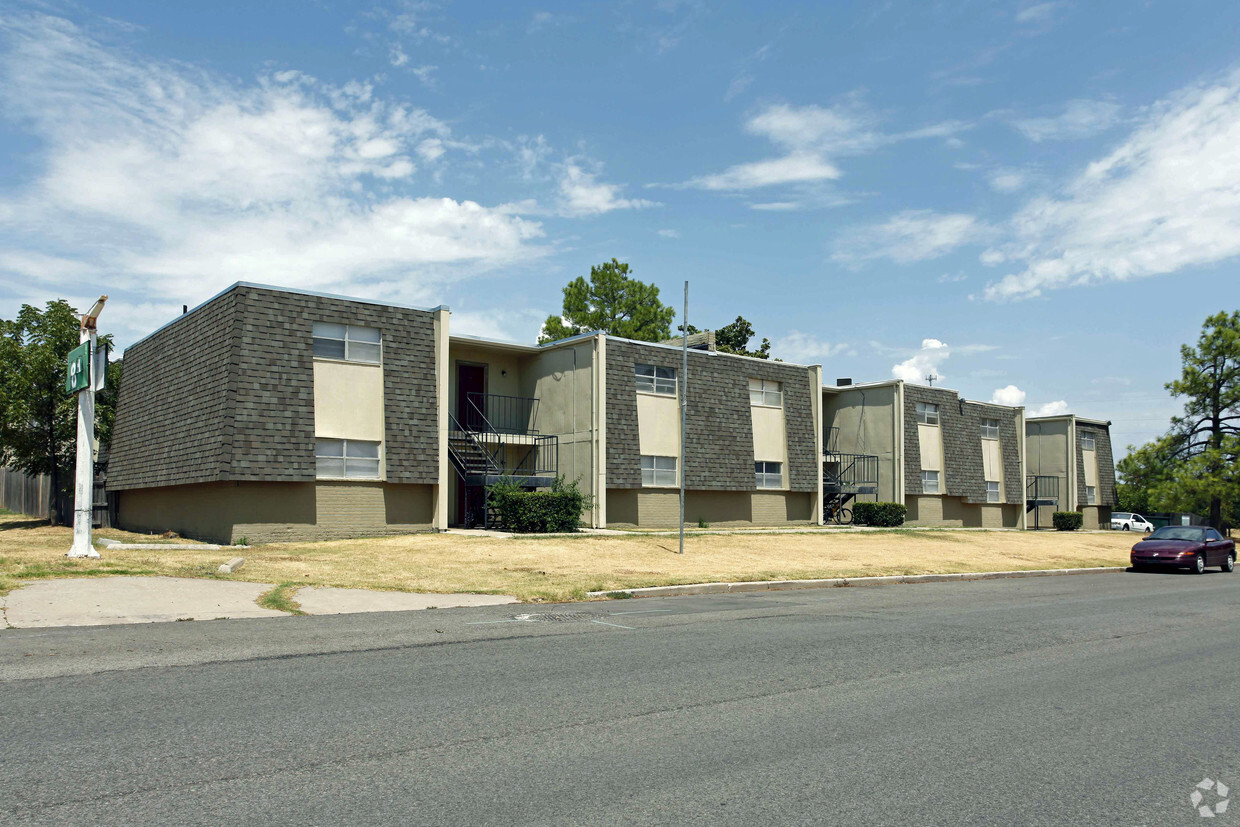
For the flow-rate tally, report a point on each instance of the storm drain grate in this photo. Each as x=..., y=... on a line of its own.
x=556, y=617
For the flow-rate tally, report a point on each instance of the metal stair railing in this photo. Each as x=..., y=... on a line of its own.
x=542, y=456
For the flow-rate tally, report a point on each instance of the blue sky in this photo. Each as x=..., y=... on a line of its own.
x=1036, y=201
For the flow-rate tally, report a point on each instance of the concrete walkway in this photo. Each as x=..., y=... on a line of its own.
x=319, y=600
x=100, y=601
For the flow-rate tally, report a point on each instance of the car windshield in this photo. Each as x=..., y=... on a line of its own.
x=1120, y=515
x=1188, y=534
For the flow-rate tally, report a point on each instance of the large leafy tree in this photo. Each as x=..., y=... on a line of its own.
x=1194, y=467
x=38, y=420
x=734, y=338
x=610, y=302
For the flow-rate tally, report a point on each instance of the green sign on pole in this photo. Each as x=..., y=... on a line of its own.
x=78, y=376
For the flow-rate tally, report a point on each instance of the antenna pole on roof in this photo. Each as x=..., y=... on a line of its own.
x=930, y=377
x=684, y=404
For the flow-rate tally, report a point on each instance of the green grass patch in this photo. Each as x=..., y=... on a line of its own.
x=280, y=598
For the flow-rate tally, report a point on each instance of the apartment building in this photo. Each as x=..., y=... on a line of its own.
x=278, y=414
x=951, y=461
x=1071, y=468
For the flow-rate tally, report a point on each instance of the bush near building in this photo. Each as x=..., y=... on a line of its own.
x=884, y=515
x=515, y=509
x=1067, y=520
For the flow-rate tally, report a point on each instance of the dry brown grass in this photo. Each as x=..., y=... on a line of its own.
x=565, y=568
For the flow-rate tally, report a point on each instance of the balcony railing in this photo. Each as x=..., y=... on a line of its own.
x=504, y=414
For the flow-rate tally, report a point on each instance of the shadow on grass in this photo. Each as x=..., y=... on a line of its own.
x=15, y=525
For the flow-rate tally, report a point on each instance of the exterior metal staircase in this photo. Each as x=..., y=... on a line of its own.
x=845, y=477
x=1040, y=491
x=483, y=454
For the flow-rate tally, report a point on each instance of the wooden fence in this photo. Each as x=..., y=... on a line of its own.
x=32, y=495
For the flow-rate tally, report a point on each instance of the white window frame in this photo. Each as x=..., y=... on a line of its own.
x=990, y=428
x=660, y=472
x=656, y=380
x=766, y=393
x=927, y=413
x=1091, y=495
x=355, y=462
x=992, y=492
x=1088, y=442
x=357, y=340
x=931, y=479
x=768, y=474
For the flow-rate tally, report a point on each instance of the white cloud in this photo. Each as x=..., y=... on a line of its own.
x=925, y=362
x=1008, y=180
x=787, y=170
x=809, y=137
x=1011, y=396
x=1039, y=13
x=1056, y=408
x=167, y=183
x=952, y=278
x=1168, y=198
x=913, y=235
x=1080, y=119
x=669, y=233
x=806, y=348
x=582, y=194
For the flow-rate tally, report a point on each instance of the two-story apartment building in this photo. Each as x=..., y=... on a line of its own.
x=271, y=413
x=951, y=461
x=1071, y=468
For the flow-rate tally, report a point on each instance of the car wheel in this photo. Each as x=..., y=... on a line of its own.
x=1229, y=564
x=1199, y=566
x=1124, y=528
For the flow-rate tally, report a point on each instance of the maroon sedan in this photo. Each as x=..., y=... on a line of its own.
x=1185, y=547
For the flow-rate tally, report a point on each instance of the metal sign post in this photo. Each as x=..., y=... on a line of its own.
x=80, y=379
x=684, y=406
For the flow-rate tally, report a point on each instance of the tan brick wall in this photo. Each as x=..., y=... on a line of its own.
x=628, y=508
x=953, y=512
x=275, y=512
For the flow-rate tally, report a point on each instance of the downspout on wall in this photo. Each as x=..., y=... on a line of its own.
x=599, y=426
x=442, y=316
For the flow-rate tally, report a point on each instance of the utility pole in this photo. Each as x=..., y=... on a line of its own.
x=684, y=407
x=84, y=377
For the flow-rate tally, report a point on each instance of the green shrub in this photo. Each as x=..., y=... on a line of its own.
x=885, y=515
x=513, y=508
x=1067, y=520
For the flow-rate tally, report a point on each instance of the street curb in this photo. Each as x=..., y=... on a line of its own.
x=836, y=582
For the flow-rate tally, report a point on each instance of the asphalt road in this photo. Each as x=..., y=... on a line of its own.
x=1095, y=699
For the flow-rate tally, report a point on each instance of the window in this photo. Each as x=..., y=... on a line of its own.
x=927, y=413
x=929, y=482
x=1091, y=495
x=1212, y=535
x=347, y=341
x=768, y=474
x=655, y=380
x=765, y=392
x=346, y=459
x=992, y=491
x=659, y=471
x=1087, y=441
x=990, y=429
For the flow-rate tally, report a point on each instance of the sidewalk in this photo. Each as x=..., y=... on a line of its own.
x=100, y=601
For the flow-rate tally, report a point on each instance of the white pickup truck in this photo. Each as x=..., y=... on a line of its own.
x=1125, y=521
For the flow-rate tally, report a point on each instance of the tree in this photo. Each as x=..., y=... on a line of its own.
x=38, y=420
x=1203, y=445
x=610, y=302
x=1140, y=473
x=734, y=338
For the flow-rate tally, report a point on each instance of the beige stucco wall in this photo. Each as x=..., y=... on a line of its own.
x=348, y=400
x=868, y=424
x=930, y=438
x=928, y=510
x=770, y=437
x=646, y=508
x=1047, y=454
x=271, y=512
x=1090, y=460
x=658, y=425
